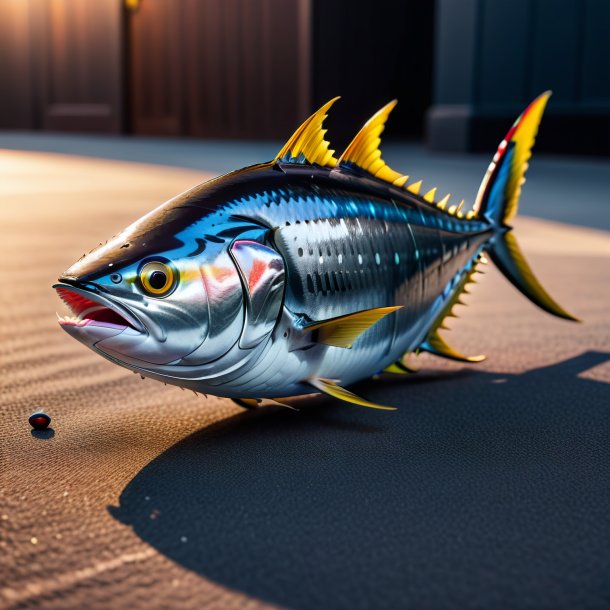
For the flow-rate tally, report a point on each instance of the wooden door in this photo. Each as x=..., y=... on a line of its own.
x=248, y=67
x=219, y=68
x=155, y=41
x=16, y=101
x=78, y=69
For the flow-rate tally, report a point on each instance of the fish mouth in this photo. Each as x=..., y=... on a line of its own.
x=92, y=309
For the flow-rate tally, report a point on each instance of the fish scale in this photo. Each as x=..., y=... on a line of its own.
x=306, y=273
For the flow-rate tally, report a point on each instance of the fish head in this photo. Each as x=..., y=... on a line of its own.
x=158, y=298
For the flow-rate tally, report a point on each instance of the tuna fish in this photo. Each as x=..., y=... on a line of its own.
x=304, y=274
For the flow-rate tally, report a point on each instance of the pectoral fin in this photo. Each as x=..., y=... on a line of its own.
x=344, y=330
x=330, y=387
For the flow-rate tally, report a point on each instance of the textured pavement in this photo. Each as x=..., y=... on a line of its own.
x=488, y=488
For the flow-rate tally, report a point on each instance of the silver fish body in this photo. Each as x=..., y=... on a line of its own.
x=280, y=278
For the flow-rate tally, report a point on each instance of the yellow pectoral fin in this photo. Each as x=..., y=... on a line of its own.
x=344, y=330
x=330, y=387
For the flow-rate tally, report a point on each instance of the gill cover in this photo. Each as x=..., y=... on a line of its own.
x=261, y=270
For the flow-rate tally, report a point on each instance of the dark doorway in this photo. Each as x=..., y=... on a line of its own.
x=370, y=53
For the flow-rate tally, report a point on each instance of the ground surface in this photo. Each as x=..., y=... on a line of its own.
x=488, y=488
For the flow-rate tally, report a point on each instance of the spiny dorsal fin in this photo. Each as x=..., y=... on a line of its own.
x=330, y=387
x=344, y=330
x=364, y=152
x=307, y=145
x=434, y=343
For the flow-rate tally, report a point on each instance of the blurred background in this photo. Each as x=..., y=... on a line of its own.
x=253, y=69
x=488, y=487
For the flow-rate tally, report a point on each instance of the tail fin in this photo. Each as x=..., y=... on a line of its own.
x=498, y=201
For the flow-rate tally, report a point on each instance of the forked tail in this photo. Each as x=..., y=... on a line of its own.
x=498, y=201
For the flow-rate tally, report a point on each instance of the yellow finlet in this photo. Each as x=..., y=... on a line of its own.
x=443, y=203
x=414, y=188
x=307, y=144
x=330, y=387
x=344, y=330
x=429, y=196
x=364, y=152
x=400, y=181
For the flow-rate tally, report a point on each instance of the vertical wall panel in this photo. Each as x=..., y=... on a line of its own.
x=155, y=39
x=596, y=54
x=516, y=50
x=244, y=63
x=455, y=51
x=79, y=64
x=503, y=65
x=16, y=100
x=556, y=52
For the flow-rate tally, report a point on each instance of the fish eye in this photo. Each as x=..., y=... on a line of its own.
x=157, y=278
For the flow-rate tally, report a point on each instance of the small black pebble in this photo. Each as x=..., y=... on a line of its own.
x=39, y=420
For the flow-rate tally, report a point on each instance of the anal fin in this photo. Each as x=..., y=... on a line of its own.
x=330, y=387
x=253, y=403
x=436, y=345
x=344, y=330
x=246, y=403
x=399, y=368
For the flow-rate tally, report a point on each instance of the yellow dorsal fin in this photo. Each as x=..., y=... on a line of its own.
x=332, y=388
x=344, y=330
x=364, y=152
x=307, y=145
